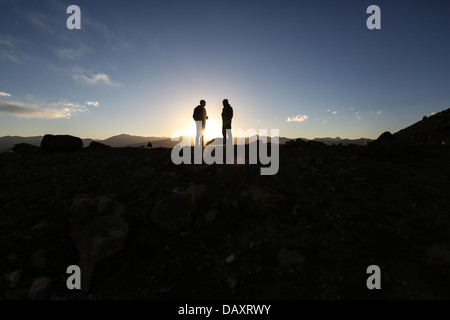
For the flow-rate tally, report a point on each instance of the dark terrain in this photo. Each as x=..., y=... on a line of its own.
x=309, y=232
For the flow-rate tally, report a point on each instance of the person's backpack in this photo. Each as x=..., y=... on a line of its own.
x=198, y=113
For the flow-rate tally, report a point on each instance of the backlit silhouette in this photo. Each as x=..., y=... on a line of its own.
x=227, y=115
x=200, y=118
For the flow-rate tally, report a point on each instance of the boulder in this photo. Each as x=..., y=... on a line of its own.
x=25, y=147
x=12, y=279
x=174, y=213
x=40, y=288
x=385, y=146
x=98, y=229
x=385, y=136
x=51, y=143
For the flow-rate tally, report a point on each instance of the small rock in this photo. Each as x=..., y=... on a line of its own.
x=165, y=289
x=196, y=192
x=262, y=200
x=39, y=226
x=211, y=215
x=40, y=288
x=232, y=282
x=230, y=258
x=287, y=258
x=12, y=279
x=296, y=209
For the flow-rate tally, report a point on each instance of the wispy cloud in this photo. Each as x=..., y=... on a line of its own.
x=375, y=112
x=56, y=110
x=7, y=52
x=93, y=103
x=72, y=54
x=6, y=55
x=4, y=41
x=14, y=49
x=299, y=118
x=4, y=94
x=41, y=21
x=92, y=79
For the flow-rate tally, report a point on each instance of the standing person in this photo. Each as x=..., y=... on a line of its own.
x=200, y=118
x=227, y=115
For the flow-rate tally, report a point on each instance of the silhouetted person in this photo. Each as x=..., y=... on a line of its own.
x=227, y=115
x=200, y=120
x=149, y=145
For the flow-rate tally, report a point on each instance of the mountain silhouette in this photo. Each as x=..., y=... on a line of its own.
x=126, y=140
x=434, y=129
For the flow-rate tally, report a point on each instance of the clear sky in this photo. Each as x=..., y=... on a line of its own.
x=140, y=67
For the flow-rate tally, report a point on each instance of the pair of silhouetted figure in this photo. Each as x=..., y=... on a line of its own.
x=200, y=118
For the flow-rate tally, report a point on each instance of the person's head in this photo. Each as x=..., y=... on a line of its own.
x=202, y=103
x=225, y=103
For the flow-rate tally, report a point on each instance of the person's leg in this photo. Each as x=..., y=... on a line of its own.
x=229, y=135
x=199, y=135
x=224, y=133
x=203, y=138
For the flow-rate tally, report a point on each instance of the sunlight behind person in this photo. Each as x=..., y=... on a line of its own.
x=213, y=129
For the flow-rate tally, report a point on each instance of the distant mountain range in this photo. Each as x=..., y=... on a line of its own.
x=337, y=140
x=125, y=140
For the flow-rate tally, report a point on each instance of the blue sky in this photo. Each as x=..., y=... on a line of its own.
x=308, y=68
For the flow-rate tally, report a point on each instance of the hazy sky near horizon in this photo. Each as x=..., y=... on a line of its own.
x=308, y=68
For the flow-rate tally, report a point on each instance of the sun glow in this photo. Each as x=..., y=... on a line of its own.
x=213, y=129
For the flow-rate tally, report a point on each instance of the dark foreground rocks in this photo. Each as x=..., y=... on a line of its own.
x=141, y=227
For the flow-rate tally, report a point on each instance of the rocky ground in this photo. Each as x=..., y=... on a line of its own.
x=148, y=229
